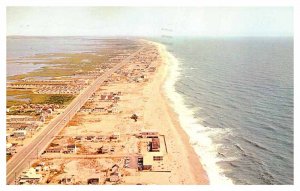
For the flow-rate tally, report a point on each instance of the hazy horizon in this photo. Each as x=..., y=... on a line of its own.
x=150, y=21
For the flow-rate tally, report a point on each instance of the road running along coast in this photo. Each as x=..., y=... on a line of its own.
x=32, y=151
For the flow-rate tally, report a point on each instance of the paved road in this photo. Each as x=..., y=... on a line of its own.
x=32, y=151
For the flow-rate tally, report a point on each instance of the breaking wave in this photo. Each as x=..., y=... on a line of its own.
x=200, y=136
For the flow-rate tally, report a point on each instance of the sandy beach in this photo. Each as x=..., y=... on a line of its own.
x=186, y=161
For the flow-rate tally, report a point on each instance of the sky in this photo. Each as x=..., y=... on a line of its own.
x=150, y=21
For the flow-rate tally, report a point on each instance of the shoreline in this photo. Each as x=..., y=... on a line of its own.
x=194, y=161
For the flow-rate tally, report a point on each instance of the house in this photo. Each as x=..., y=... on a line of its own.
x=70, y=149
x=8, y=147
x=110, y=97
x=19, y=133
x=86, y=109
x=114, y=168
x=103, y=150
x=115, y=136
x=115, y=110
x=42, y=118
x=116, y=99
x=114, y=177
x=90, y=138
x=7, y=136
x=103, y=97
x=149, y=133
x=99, y=109
x=158, y=158
x=152, y=69
x=155, y=145
x=93, y=181
x=147, y=162
x=66, y=181
x=101, y=138
x=31, y=176
x=38, y=168
x=46, y=168
x=53, y=150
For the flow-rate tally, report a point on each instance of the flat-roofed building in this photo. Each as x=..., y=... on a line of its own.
x=149, y=133
x=20, y=133
x=155, y=145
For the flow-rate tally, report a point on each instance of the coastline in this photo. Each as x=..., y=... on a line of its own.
x=188, y=157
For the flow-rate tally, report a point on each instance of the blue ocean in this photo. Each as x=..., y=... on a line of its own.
x=234, y=97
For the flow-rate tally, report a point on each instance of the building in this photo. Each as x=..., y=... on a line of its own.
x=19, y=133
x=53, y=150
x=155, y=145
x=147, y=162
x=149, y=133
x=71, y=149
x=93, y=181
x=115, y=168
x=103, y=150
x=115, y=136
x=8, y=147
x=99, y=109
x=30, y=176
x=114, y=177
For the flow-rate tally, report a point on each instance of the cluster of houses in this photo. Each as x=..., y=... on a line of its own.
x=72, y=148
x=67, y=86
x=67, y=149
x=18, y=127
x=111, y=96
x=107, y=109
x=36, y=108
x=103, y=108
x=37, y=173
x=60, y=90
x=137, y=70
x=36, y=84
x=23, y=124
x=30, y=177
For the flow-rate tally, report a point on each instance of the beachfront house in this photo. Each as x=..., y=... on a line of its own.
x=147, y=162
x=148, y=133
x=155, y=145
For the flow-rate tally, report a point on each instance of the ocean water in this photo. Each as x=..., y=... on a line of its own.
x=234, y=97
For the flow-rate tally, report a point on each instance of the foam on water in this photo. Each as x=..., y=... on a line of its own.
x=200, y=136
